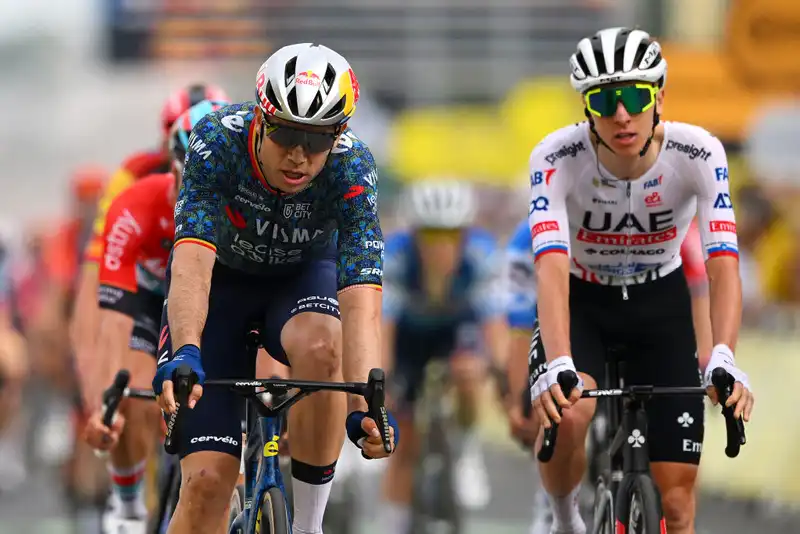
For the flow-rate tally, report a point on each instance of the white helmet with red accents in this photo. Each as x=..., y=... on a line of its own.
x=617, y=55
x=308, y=84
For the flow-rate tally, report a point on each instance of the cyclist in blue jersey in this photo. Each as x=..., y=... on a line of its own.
x=279, y=204
x=441, y=300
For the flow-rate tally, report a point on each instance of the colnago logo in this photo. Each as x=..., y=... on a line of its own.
x=196, y=144
x=690, y=150
x=565, y=151
x=121, y=231
x=278, y=233
x=632, y=252
x=226, y=439
x=256, y=205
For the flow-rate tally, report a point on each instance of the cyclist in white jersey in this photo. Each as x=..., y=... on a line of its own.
x=611, y=201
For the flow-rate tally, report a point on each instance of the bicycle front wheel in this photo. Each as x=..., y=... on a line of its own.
x=272, y=517
x=641, y=511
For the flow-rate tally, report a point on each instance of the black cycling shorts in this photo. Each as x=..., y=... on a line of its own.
x=417, y=343
x=236, y=301
x=653, y=333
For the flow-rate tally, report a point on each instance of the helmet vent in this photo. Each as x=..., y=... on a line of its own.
x=289, y=71
x=315, y=105
x=328, y=79
x=291, y=99
x=273, y=99
x=335, y=110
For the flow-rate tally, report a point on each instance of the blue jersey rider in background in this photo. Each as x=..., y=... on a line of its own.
x=441, y=300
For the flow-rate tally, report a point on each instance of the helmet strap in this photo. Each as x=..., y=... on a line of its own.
x=652, y=133
x=594, y=131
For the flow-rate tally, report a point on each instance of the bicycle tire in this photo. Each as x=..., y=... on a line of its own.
x=603, y=520
x=272, y=516
x=640, y=511
x=236, y=505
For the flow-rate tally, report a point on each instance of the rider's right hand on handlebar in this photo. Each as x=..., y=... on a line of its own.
x=162, y=383
x=546, y=392
x=101, y=437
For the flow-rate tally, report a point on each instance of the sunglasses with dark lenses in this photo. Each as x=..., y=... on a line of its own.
x=288, y=137
x=637, y=98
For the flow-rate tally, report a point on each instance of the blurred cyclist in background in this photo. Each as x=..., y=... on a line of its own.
x=13, y=370
x=519, y=280
x=441, y=300
x=139, y=233
x=85, y=317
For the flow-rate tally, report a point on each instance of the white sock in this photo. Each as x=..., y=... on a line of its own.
x=396, y=518
x=566, y=514
x=310, y=501
x=128, y=487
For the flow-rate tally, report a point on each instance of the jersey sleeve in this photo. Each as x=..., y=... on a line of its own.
x=122, y=240
x=547, y=214
x=360, y=260
x=693, y=260
x=486, y=296
x=395, y=295
x=198, y=207
x=714, y=205
x=119, y=182
x=519, y=280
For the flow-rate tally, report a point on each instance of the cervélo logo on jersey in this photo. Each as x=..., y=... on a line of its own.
x=628, y=231
x=571, y=151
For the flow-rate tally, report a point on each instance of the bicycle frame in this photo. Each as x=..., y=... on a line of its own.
x=261, y=464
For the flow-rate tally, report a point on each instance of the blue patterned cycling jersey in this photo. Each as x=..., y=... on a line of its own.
x=226, y=204
x=474, y=292
x=519, y=279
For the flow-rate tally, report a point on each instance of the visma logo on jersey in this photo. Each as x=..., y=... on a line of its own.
x=197, y=145
x=539, y=204
x=542, y=176
x=723, y=202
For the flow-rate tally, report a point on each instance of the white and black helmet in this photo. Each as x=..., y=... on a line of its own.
x=308, y=84
x=441, y=204
x=617, y=55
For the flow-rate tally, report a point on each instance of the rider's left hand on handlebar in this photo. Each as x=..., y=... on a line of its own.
x=101, y=437
x=742, y=396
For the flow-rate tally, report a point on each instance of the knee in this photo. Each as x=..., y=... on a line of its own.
x=678, y=504
x=316, y=355
x=205, y=489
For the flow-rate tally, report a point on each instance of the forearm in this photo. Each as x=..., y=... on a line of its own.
x=361, y=337
x=495, y=333
x=518, y=348
x=85, y=314
x=190, y=284
x=726, y=301
x=701, y=317
x=112, y=342
x=553, y=305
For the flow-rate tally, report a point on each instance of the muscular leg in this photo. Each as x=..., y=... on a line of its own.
x=676, y=483
x=313, y=346
x=136, y=444
x=562, y=475
x=208, y=478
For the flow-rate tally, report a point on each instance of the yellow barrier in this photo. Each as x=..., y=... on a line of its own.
x=769, y=465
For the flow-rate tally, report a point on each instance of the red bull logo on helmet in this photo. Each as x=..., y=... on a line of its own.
x=308, y=78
